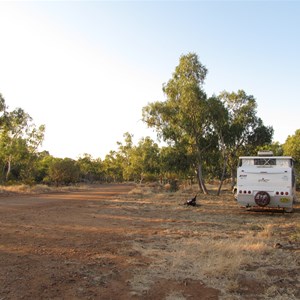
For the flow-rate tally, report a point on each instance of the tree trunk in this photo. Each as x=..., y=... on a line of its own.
x=223, y=175
x=8, y=169
x=200, y=187
x=201, y=180
x=233, y=176
x=141, y=178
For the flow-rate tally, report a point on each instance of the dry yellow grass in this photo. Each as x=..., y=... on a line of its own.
x=222, y=245
x=37, y=189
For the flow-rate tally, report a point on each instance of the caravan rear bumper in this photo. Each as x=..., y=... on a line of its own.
x=276, y=201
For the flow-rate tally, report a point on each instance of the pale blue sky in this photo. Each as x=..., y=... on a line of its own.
x=86, y=69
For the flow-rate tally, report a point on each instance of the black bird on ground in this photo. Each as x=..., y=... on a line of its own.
x=191, y=201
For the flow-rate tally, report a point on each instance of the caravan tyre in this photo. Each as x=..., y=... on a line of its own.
x=262, y=198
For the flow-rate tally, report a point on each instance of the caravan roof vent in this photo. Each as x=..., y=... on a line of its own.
x=265, y=153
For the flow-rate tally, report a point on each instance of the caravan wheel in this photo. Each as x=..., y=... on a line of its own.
x=262, y=198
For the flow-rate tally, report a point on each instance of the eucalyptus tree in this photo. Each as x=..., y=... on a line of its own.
x=144, y=159
x=292, y=145
x=2, y=109
x=19, y=140
x=182, y=117
x=246, y=130
x=138, y=161
x=90, y=169
x=219, y=117
x=42, y=166
x=176, y=160
x=112, y=167
x=125, y=152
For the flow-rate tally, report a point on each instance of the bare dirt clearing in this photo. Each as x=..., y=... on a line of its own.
x=127, y=242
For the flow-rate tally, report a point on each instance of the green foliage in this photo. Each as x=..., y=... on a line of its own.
x=91, y=170
x=125, y=154
x=145, y=158
x=183, y=114
x=112, y=166
x=140, y=161
x=182, y=118
x=2, y=110
x=291, y=147
x=42, y=166
x=63, y=171
x=245, y=131
x=19, y=141
x=275, y=147
x=220, y=127
x=176, y=159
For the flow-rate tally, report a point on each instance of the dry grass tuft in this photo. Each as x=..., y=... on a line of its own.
x=38, y=189
x=175, y=296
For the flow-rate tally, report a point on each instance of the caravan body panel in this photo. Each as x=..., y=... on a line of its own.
x=266, y=182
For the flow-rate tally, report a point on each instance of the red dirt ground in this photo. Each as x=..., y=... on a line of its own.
x=77, y=245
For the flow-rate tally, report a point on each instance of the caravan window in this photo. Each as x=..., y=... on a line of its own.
x=284, y=163
x=265, y=162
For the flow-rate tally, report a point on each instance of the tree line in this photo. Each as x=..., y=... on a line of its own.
x=203, y=137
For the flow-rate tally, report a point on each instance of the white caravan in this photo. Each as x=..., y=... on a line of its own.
x=266, y=181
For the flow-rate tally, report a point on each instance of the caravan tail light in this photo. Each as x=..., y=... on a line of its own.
x=245, y=192
x=240, y=192
x=282, y=193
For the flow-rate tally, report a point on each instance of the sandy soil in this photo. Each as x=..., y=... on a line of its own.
x=124, y=242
